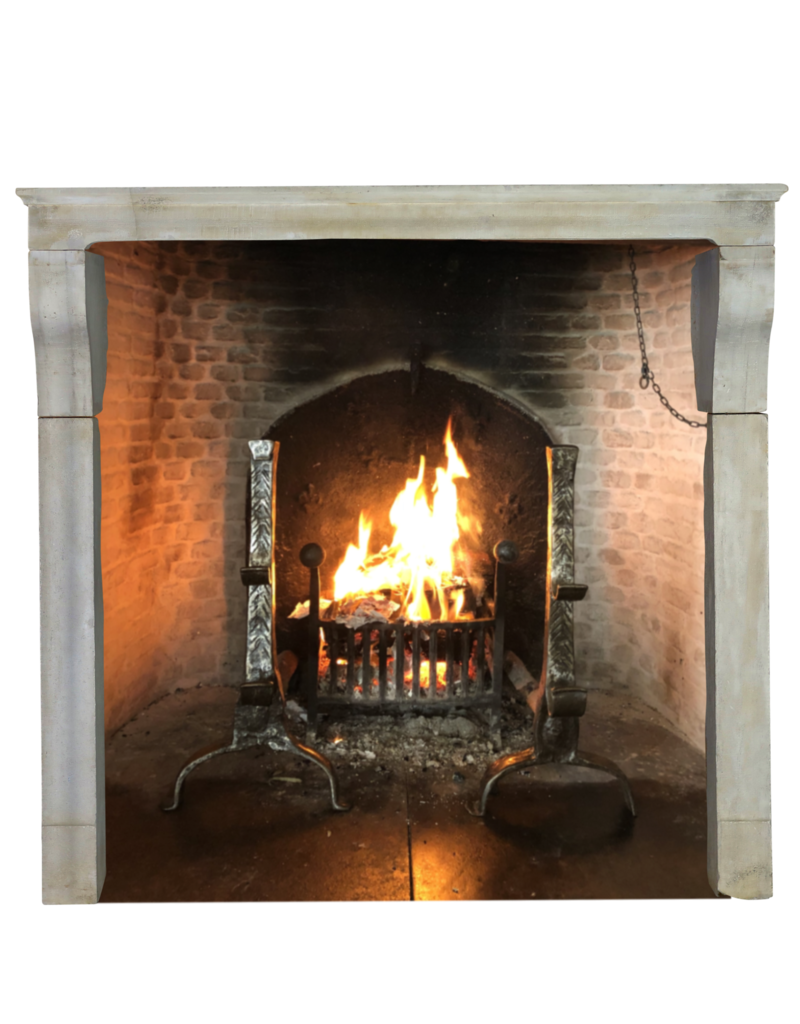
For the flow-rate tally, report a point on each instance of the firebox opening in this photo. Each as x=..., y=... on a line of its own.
x=210, y=343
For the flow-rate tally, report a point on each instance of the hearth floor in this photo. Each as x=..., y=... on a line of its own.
x=257, y=825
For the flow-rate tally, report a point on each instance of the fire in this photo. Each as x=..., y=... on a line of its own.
x=422, y=557
x=425, y=675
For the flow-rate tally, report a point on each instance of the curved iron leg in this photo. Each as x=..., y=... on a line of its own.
x=602, y=764
x=205, y=755
x=319, y=759
x=502, y=766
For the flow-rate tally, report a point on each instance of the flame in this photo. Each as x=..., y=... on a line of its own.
x=425, y=675
x=421, y=559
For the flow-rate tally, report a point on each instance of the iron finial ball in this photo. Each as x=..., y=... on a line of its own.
x=312, y=556
x=506, y=551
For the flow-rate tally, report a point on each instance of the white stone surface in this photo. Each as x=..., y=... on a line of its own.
x=73, y=863
x=237, y=195
x=737, y=655
x=68, y=316
x=732, y=303
x=743, y=869
x=725, y=214
x=73, y=768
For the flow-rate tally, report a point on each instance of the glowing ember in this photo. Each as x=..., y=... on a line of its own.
x=425, y=674
x=423, y=554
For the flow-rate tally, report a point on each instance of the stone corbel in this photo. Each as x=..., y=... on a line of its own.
x=70, y=334
x=732, y=300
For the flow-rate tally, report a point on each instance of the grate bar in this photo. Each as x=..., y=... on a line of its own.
x=466, y=645
x=415, y=661
x=449, y=640
x=366, y=662
x=333, y=653
x=480, y=661
x=351, y=662
x=433, y=659
x=399, y=659
x=382, y=662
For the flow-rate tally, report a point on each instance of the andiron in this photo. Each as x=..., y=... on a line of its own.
x=558, y=703
x=260, y=715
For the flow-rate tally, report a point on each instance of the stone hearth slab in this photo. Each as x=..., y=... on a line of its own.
x=258, y=827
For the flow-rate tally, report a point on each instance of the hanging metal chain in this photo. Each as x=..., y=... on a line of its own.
x=647, y=378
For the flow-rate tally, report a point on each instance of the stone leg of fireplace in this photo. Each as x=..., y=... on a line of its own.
x=731, y=313
x=732, y=306
x=68, y=314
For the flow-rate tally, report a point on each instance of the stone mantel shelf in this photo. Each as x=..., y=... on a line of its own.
x=75, y=218
x=661, y=192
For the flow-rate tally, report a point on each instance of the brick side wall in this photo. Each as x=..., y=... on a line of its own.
x=639, y=495
x=211, y=343
x=162, y=517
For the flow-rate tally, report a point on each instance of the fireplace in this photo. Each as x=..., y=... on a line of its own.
x=352, y=348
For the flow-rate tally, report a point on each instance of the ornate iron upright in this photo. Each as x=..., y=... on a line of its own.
x=259, y=718
x=559, y=702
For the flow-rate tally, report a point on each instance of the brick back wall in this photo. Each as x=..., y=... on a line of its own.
x=211, y=343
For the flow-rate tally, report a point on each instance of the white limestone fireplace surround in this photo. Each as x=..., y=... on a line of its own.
x=731, y=316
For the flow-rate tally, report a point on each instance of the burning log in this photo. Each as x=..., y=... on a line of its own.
x=357, y=611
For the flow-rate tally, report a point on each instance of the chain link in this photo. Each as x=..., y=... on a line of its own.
x=647, y=377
